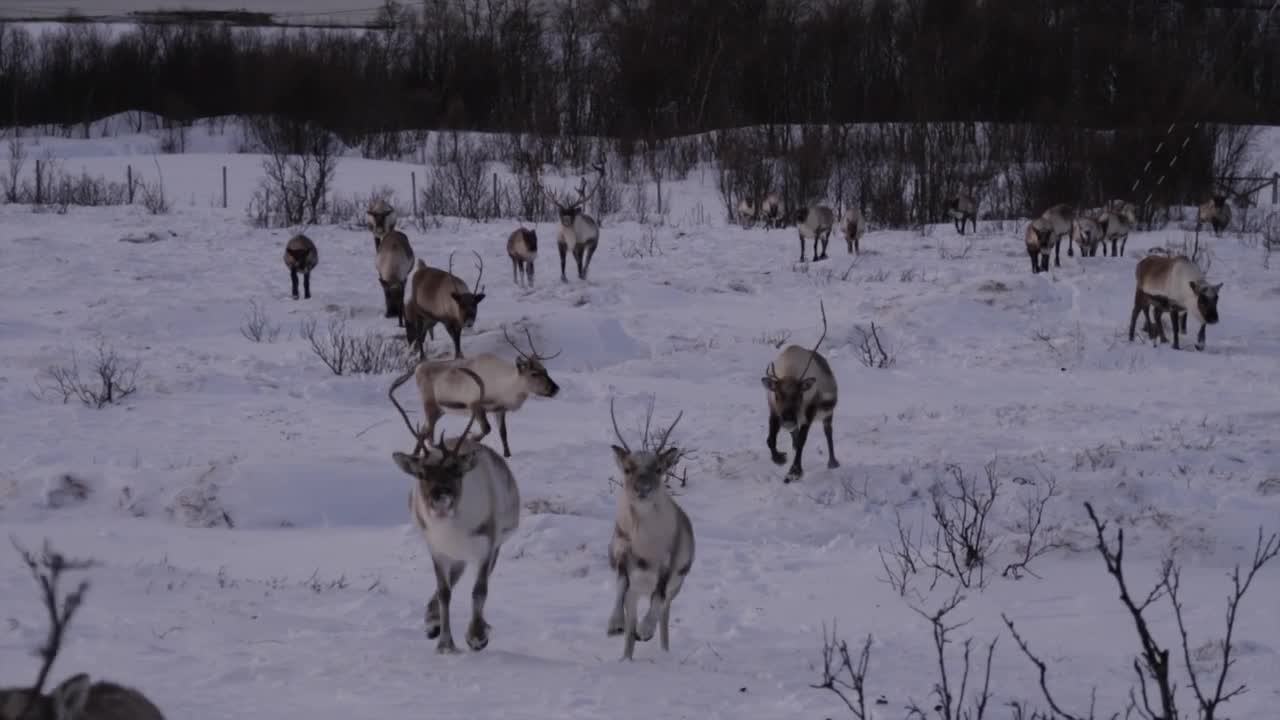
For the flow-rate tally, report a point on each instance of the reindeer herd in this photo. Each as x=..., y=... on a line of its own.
x=465, y=499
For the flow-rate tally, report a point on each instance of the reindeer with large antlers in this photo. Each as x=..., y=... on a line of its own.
x=75, y=698
x=801, y=389
x=446, y=386
x=439, y=296
x=578, y=232
x=466, y=504
x=651, y=551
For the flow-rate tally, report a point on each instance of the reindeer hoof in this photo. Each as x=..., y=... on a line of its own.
x=613, y=630
x=478, y=635
x=446, y=646
x=779, y=458
x=833, y=463
x=791, y=477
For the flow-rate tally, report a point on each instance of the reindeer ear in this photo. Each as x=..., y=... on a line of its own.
x=456, y=297
x=1195, y=287
x=623, y=458
x=767, y=382
x=522, y=365
x=408, y=463
x=467, y=460
x=1217, y=287
x=807, y=383
x=70, y=697
x=479, y=297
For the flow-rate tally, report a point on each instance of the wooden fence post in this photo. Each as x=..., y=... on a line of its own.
x=413, y=190
x=1275, y=188
x=224, y=187
x=39, y=183
x=496, y=210
x=128, y=177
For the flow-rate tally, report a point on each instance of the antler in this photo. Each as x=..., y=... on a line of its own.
x=532, y=349
x=420, y=441
x=512, y=343
x=666, y=435
x=616, y=432
x=477, y=288
x=822, y=337
x=47, y=569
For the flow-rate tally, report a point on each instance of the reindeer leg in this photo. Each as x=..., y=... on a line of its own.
x=478, y=630
x=1139, y=306
x=306, y=284
x=1199, y=336
x=1057, y=252
x=631, y=602
x=644, y=633
x=1035, y=261
x=577, y=259
x=1183, y=316
x=444, y=593
x=515, y=271
x=502, y=432
x=673, y=589
x=293, y=279
x=831, y=446
x=456, y=334
x=563, y=251
x=586, y=265
x=815, y=248
x=798, y=438
x=483, y=421
x=1124, y=240
x=617, y=620
x=528, y=272
x=775, y=424
x=1173, y=317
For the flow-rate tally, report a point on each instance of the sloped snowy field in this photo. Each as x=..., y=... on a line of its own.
x=311, y=607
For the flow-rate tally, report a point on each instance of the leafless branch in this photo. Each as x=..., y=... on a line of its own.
x=842, y=675
x=47, y=568
x=1033, y=544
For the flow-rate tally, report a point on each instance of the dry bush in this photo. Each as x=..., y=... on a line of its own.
x=871, y=351
x=744, y=171
x=347, y=354
x=257, y=326
x=302, y=159
x=460, y=184
x=112, y=378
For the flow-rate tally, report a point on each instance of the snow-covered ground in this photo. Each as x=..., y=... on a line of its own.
x=311, y=605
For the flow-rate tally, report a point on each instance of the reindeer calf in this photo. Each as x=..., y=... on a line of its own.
x=1216, y=212
x=854, y=228
x=439, y=296
x=963, y=209
x=1117, y=221
x=652, y=547
x=816, y=222
x=301, y=256
x=394, y=262
x=801, y=389
x=773, y=211
x=77, y=699
x=522, y=248
x=1060, y=219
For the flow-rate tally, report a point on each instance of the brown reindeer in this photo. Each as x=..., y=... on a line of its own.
x=439, y=296
x=522, y=248
x=300, y=256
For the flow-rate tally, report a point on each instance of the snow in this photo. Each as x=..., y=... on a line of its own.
x=310, y=606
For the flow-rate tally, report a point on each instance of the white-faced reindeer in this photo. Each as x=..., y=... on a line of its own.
x=439, y=296
x=381, y=219
x=466, y=504
x=1039, y=240
x=446, y=387
x=75, y=698
x=651, y=551
x=962, y=209
x=800, y=389
x=1215, y=211
x=522, y=248
x=1059, y=219
x=854, y=228
x=394, y=262
x=1174, y=285
x=815, y=222
x=1117, y=221
x=1087, y=234
x=773, y=211
x=578, y=233
x=301, y=256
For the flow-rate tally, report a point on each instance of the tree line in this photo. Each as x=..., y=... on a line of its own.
x=659, y=68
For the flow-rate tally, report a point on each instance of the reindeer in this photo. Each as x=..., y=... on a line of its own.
x=300, y=256
x=578, y=232
x=1174, y=284
x=746, y=212
x=381, y=219
x=801, y=389
x=439, y=296
x=963, y=209
x=1059, y=219
x=773, y=211
x=1117, y=221
x=651, y=550
x=522, y=248
x=466, y=504
x=394, y=262
x=1039, y=240
x=444, y=387
x=816, y=222
x=75, y=698
x=854, y=228
x=1087, y=233
x=1216, y=212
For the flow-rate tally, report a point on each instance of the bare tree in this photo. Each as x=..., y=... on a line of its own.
x=116, y=378
x=953, y=701
x=302, y=158
x=963, y=543
x=1029, y=526
x=844, y=676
